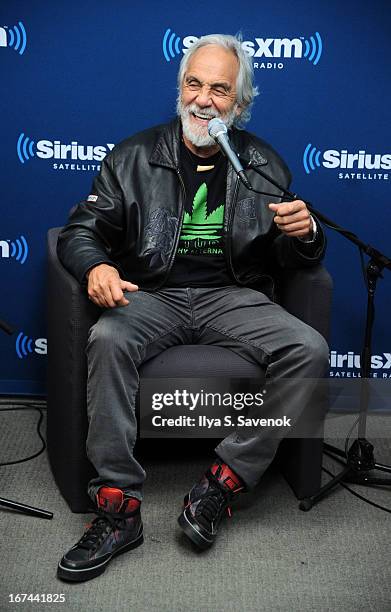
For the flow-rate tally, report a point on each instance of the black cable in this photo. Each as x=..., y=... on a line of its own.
x=365, y=499
x=25, y=406
x=272, y=195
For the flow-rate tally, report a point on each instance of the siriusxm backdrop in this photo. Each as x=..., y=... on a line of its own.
x=78, y=77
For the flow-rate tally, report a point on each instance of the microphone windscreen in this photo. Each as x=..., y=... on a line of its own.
x=216, y=127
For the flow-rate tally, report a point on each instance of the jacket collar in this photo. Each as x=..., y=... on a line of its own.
x=166, y=150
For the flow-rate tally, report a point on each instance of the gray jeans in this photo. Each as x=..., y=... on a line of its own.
x=240, y=319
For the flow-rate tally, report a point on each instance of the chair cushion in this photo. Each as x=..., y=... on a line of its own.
x=196, y=361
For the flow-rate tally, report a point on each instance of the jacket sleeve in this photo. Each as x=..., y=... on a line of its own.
x=95, y=225
x=294, y=253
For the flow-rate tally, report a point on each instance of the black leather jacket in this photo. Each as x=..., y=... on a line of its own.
x=135, y=221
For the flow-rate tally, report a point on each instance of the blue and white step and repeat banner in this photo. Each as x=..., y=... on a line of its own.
x=78, y=77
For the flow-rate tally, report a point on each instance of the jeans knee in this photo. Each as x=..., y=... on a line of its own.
x=106, y=335
x=316, y=351
x=109, y=339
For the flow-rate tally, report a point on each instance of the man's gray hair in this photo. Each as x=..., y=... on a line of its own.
x=245, y=89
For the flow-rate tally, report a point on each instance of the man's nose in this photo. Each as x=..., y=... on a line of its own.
x=204, y=97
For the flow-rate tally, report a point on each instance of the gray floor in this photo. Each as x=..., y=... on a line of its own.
x=270, y=556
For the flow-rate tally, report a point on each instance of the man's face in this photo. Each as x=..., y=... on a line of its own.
x=208, y=90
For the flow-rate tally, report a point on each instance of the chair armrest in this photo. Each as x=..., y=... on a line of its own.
x=73, y=314
x=70, y=315
x=307, y=294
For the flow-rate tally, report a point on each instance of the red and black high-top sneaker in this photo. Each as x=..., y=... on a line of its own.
x=117, y=528
x=206, y=503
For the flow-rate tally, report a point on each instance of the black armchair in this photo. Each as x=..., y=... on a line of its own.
x=306, y=293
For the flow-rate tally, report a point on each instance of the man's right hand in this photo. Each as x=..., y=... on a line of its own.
x=106, y=288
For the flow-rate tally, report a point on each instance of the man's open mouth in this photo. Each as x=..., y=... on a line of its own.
x=202, y=116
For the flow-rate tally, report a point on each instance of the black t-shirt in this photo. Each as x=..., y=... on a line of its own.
x=200, y=260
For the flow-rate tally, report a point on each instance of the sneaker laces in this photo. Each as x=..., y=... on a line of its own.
x=216, y=499
x=210, y=506
x=100, y=527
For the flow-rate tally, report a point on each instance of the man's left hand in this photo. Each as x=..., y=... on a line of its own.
x=293, y=218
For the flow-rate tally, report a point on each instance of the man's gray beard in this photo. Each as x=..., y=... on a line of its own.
x=198, y=135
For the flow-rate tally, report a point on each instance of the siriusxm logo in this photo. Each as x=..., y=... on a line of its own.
x=27, y=148
x=25, y=346
x=353, y=360
x=14, y=37
x=351, y=364
x=310, y=48
x=17, y=249
x=332, y=159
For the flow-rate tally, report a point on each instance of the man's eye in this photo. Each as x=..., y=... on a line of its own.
x=193, y=85
x=220, y=91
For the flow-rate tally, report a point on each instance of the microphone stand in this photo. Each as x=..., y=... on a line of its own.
x=359, y=461
x=7, y=502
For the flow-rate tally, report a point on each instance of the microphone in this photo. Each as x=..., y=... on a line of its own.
x=218, y=131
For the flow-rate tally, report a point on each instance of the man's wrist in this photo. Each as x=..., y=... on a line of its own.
x=312, y=234
x=101, y=263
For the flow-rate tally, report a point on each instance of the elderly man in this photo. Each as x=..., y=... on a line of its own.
x=176, y=250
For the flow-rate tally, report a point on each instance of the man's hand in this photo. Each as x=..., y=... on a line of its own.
x=105, y=287
x=293, y=218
